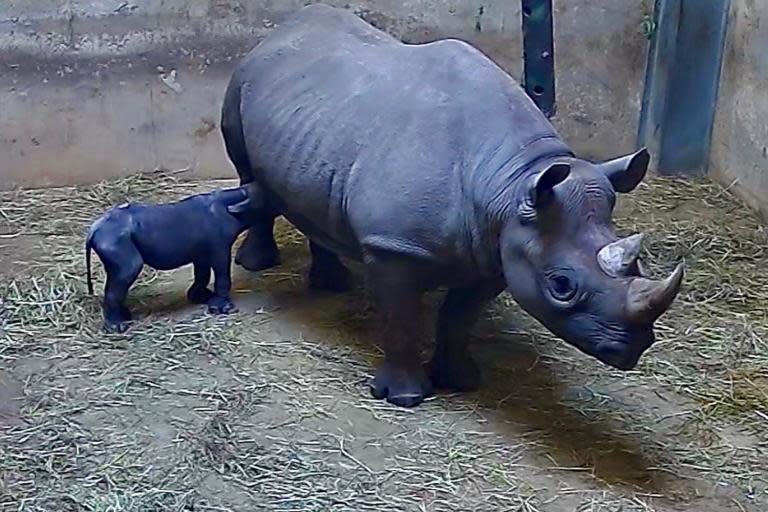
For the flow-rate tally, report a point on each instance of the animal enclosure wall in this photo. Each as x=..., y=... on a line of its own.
x=102, y=88
x=739, y=158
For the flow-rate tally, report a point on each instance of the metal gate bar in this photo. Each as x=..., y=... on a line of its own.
x=539, y=54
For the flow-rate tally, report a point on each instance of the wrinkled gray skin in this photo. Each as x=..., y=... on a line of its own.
x=430, y=165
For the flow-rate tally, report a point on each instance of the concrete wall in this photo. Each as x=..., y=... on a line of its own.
x=739, y=156
x=102, y=88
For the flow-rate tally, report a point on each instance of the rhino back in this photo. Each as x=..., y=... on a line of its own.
x=364, y=140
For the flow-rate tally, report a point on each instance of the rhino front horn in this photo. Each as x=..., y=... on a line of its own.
x=648, y=299
x=617, y=258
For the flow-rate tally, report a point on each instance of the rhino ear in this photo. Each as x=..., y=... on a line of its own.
x=238, y=208
x=627, y=172
x=545, y=182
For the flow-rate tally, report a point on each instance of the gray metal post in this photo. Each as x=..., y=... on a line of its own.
x=681, y=84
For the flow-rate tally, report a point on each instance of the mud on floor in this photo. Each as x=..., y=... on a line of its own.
x=268, y=409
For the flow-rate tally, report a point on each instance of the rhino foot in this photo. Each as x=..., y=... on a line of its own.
x=405, y=385
x=111, y=327
x=220, y=306
x=117, y=320
x=454, y=371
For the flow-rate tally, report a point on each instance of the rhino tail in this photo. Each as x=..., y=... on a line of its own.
x=232, y=130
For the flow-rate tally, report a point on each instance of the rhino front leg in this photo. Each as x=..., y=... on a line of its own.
x=452, y=366
x=400, y=378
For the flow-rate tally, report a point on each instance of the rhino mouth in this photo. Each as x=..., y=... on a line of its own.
x=618, y=355
x=613, y=344
x=625, y=354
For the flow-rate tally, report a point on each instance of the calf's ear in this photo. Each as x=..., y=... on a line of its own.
x=626, y=173
x=238, y=208
x=545, y=182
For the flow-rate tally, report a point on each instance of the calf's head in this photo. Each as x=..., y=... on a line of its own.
x=566, y=267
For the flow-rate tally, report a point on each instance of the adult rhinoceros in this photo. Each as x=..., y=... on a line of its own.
x=430, y=165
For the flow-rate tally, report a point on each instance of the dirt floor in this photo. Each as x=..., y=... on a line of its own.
x=268, y=409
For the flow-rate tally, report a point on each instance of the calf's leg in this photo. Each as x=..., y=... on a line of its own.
x=400, y=378
x=220, y=302
x=122, y=263
x=199, y=293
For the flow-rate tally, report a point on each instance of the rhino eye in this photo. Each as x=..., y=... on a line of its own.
x=562, y=286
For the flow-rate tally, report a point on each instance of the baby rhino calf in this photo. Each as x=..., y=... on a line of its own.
x=199, y=230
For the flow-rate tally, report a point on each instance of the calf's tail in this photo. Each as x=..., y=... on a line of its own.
x=88, y=248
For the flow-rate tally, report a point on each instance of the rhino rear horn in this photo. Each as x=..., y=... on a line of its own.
x=626, y=173
x=618, y=258
x=545, y=181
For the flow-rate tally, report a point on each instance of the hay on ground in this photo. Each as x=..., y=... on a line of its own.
x=267, y=409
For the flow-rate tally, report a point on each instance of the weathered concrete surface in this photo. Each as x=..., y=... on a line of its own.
x=95, y=89
x=739, y=156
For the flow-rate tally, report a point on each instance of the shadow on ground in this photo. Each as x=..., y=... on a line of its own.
x=523, y=392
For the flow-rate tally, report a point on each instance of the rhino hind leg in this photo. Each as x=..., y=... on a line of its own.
x=452, y=366
x=327, y=272
x=401, y=377
x=123, y=263
x=259, y=250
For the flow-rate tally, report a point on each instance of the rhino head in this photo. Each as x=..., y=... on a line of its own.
x=564, y=264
